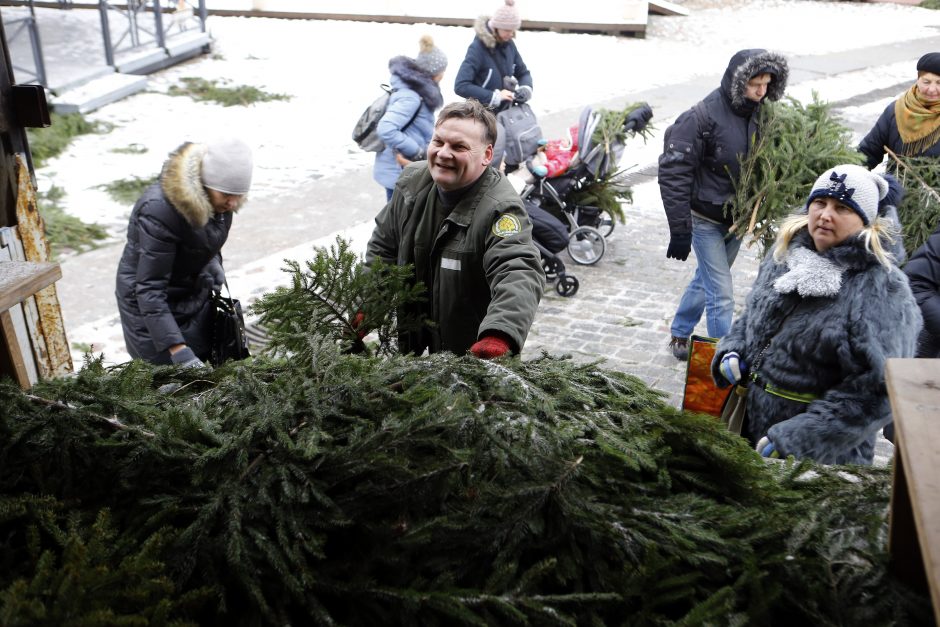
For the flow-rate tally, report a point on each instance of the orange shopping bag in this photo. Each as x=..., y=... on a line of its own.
x=701, y=394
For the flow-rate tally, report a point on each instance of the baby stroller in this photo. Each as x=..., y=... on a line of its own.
x=552, y=190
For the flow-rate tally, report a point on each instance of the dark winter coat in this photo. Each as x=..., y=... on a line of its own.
x=885, y=133
x=923, y=271
x=826, y=334
x=703, y=148
x=481, y=74
x=478, y=281
x=162, y=287
x=408, y=123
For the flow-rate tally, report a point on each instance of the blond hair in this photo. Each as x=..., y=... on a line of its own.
x=874, y=234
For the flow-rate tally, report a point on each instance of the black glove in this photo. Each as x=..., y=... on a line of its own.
x=638, y=118
x=523, y=93
x=186, y=358
x=214, y=270
x=680, y=245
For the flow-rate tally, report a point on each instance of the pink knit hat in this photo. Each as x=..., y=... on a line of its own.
x=506, y=17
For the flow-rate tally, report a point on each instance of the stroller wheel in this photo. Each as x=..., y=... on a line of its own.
x=567, y=286
x=552, y=268
x=586, y=245
x=605, y=223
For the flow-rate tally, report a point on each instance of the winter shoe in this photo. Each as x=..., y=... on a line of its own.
x=679, y=347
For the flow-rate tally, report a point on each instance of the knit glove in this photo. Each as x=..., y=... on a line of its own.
x=766, y=448
x=215, y=271
x=186, y=358
x=356, y=323
x=420, y=155
x=490, y=346
x=523, y=93
x=732, y=367
x=680, y=245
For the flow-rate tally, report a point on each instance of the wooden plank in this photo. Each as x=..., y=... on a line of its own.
x=21, y=279
x=914, y=389
x=664, y=7
x=11, y=343
x=32, y=246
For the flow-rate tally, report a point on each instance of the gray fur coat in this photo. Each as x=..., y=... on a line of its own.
x=829, y=322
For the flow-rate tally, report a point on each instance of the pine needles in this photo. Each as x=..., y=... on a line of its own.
x=314, y=486
x=796, y=144
x=920, y=208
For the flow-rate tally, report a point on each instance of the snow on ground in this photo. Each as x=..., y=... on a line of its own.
x=332, y=70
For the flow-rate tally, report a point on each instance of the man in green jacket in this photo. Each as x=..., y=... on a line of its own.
x=465, y=230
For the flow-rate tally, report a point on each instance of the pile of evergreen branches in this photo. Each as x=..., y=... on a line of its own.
x=385, y=489
x=920, y=208
x=795, y=145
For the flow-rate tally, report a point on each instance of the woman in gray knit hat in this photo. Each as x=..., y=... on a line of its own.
x=408, y=123
x=828, y=309
x=173, y=256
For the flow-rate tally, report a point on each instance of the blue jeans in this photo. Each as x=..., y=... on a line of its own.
x=711, y=290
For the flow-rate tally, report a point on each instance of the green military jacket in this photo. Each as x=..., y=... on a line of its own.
x=481, y=268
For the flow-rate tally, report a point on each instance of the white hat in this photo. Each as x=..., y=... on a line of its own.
x=227, y=166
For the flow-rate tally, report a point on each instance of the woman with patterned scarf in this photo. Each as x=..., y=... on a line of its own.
x=910, y=126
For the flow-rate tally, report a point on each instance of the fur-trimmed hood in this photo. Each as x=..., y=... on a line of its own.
x=745, y=65
x=483, y=32
x=181, y=181
x=418, y=80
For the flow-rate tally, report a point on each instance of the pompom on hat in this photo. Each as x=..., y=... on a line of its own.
x=506, y=17
x=853, y=186
x=430, y=59
x=227, y=166
x=930, y=62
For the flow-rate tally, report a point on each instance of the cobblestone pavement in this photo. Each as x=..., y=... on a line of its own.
x=624, y=307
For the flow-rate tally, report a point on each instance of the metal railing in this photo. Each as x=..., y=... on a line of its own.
x=145, y=23
x=25, y=26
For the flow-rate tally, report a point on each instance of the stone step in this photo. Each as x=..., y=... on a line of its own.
x=97, y=93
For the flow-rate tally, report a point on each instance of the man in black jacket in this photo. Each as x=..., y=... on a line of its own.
x=172, y=259
x=697, y=171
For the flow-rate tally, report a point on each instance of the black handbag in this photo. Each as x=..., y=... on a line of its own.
x=228, y=329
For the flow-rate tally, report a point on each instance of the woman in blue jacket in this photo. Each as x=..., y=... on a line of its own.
x=408, y=123
x=492, y=58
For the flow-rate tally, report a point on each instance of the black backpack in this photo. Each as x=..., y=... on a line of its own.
x=364, y=133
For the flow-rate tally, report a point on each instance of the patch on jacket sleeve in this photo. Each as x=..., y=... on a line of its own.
x=506, y=225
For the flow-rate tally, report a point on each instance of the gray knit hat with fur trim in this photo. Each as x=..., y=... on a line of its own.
x=854, y=187
x=227, y=166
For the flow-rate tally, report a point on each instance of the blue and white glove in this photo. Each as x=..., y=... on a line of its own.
x=766, y=448
x=732, y=367
x=186, y=358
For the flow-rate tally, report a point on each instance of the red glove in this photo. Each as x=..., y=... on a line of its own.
x=356, y=322
x=489, y=347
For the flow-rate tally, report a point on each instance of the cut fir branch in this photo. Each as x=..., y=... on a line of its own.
x=321, y=304
x=919, y=210
x=608, y=192
x=794, y=146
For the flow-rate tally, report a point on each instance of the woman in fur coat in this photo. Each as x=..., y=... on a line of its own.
x=812, y=343
x=172, y=259
x=408, y=123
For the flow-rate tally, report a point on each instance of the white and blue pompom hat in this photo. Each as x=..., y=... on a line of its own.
x=853, y=186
